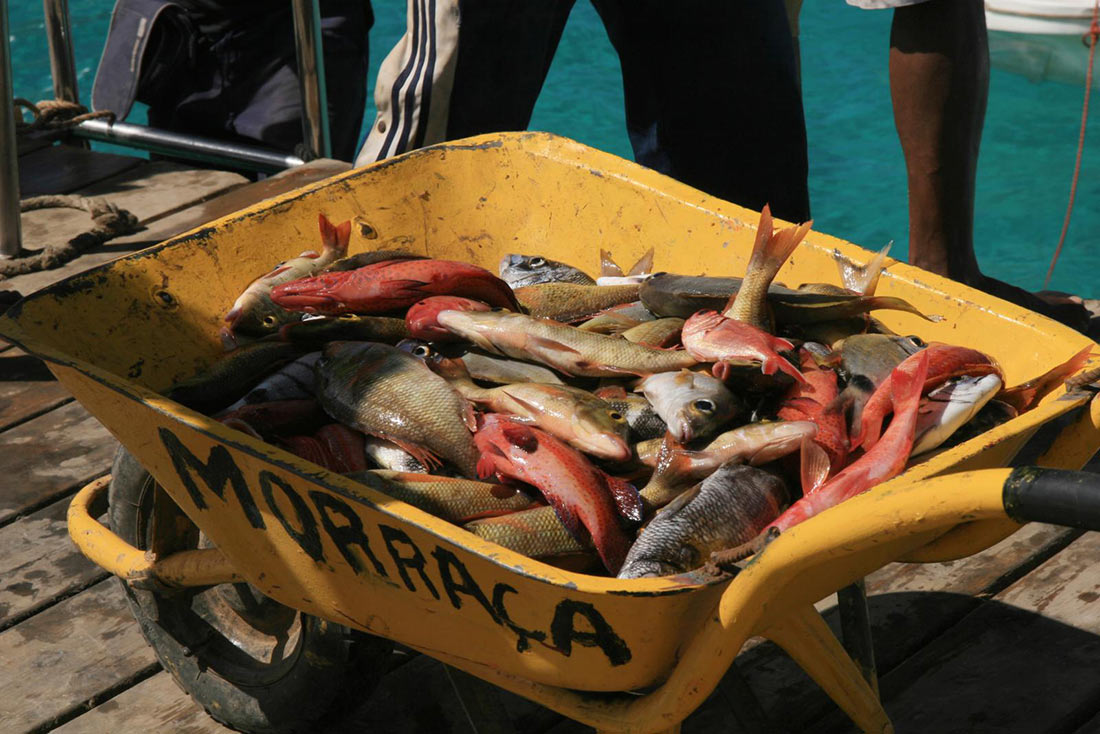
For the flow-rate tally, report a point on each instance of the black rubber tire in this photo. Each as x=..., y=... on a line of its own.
x=317, y=685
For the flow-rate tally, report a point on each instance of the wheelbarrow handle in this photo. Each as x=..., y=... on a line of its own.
x=1056, y=496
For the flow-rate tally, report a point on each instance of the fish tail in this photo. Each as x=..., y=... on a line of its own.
x=770, y=250
x=335, y=238
x=867, y=280
x=644, y=264
x=1024, y=397
x=608, y=267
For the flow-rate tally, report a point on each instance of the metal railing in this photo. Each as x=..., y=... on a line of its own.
x=315, y=127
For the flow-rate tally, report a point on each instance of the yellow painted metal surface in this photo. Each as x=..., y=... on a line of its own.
x=203, y=567
x=319, y=542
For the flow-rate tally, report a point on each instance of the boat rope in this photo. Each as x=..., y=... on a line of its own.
x=54, y=115
x=109, y=221
x=1089, y=38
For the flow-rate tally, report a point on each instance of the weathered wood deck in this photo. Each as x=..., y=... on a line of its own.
x=1005, y=641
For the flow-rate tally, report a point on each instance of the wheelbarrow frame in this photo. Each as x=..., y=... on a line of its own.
x=567, y=640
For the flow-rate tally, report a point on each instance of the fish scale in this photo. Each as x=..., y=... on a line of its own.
x=388, y=393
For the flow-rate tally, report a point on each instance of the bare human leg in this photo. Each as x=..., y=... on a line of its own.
x=939, y=83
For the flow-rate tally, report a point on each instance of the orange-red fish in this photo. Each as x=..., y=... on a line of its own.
x=709, y=336
x=944, y=362
x=584, y=498
x=392, y=285
x=886, y=460
x=421, y=317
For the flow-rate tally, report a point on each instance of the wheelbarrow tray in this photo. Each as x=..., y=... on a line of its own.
x=120, y=334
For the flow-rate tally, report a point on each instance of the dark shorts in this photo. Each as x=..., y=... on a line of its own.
x=711, y=88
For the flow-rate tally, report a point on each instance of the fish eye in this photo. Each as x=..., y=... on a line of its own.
x=704, y=406
x=270, y=320
x=538, y=262
x=916, y=341
x=616, y=416
x=422, y=351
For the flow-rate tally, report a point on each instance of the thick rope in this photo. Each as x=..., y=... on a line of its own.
x=1091, y=36
x=109, y=221
x=54, y=115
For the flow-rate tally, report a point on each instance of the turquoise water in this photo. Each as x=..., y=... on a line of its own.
x=857, y=174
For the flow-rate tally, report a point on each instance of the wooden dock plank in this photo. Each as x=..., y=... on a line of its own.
x=910, y=605
x=67, y=656
x=27, y=388
x=150, y=192
x=156, y=704
x=39, y=563
x=51, y=455
x=1034, y=646
x=62, y=169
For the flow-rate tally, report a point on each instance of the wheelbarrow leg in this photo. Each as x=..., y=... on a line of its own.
x=480, y=703
x=806, y=637
x=855, y=629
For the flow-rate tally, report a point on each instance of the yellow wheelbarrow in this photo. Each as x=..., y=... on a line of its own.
x=254, y=573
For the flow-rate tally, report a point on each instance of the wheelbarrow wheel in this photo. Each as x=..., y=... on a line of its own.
x=255, y=665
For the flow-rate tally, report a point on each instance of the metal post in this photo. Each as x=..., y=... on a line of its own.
x=60, y=37
x=311, y=78
x=11, y=234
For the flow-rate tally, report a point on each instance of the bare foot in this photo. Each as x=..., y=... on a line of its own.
x=1062, y=307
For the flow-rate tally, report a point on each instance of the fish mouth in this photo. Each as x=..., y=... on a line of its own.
x=612, y=448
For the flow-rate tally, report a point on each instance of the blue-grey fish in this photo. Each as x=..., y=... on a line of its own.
x=728, y=508
x=519, y=271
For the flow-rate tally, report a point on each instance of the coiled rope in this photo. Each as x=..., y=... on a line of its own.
x=108, y=220
x=1090, y=38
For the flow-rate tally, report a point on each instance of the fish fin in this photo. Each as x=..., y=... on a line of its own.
x=627, y=500
x=815, y=467
x=503, y=491
x=542, y=342
x=328, y=230
x=644, y=265
x=486, y=467
x=611, y=392
x=426, y=458
x=1024, y=397
x=668, y=453
x=240, y=425
x=608, y=267
x=680, y=501
x=804, y=405
x=469, y=417
x=776, y=363
x=409, y=288
x=522, y=437
x=893, y=303
x=568, y=517
x=780, y=344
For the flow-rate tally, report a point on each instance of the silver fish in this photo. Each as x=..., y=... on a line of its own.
x=388, y=455
x=730, y=507
x=692, y=404
x=948, y=407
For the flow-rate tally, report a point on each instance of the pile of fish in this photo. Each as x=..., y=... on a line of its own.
x=633, y=424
